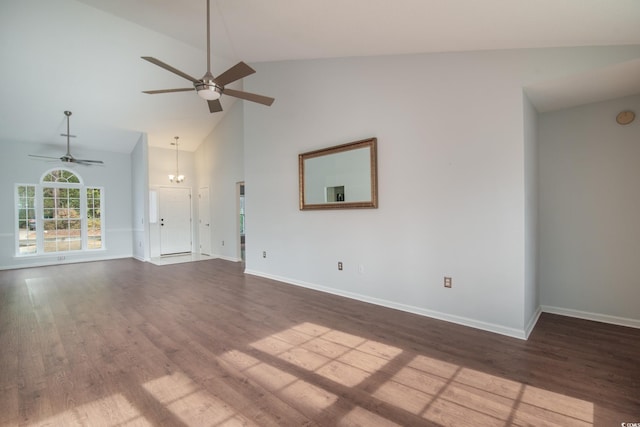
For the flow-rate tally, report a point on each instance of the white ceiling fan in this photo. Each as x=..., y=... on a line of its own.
x=212, y=88
x=68, y=158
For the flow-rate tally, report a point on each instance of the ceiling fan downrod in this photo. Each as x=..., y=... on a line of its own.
x=68, y=157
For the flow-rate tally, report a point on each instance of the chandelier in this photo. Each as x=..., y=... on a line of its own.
x=177, y=177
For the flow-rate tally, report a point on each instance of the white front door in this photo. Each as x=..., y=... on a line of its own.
x=204, y=225
x=175, y=220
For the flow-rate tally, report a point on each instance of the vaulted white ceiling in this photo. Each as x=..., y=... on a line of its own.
x=84, y=55
x=259, y=30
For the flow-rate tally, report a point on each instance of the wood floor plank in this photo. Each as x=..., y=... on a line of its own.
x=9, y=406
x=129, y=343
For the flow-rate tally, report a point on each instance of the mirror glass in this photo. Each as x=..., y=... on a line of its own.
x=339, y=177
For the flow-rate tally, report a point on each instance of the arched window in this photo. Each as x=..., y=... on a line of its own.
x=61, y=175
x=60, y=214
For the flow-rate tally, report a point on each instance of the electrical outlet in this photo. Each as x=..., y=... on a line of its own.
x=264, y=254
x=361, y=269
x=447, y=282
x=340, y=265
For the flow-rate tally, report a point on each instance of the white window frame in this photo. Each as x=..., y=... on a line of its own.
x=17, y=218
x=39, y=209
x=85, y=224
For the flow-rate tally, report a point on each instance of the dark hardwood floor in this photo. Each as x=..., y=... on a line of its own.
x=124, y=343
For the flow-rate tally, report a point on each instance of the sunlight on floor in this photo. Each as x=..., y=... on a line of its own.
x=344, y=358
x=309, y=399
x=537, y=404
x=191, y=403
x=113, y=410
x=395, y=381
x=359, y=416
x=435, y=390
x=312, y=399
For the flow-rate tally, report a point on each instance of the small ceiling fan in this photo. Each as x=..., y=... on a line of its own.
x=211, y=88
x=68, y=158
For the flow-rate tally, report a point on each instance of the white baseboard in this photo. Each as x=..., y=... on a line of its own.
x=228, y=258
x=597, y=317
x=464, y=321
x=49, y=261
x=532, y=322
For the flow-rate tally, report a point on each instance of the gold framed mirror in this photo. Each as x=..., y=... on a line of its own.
x=339, y=177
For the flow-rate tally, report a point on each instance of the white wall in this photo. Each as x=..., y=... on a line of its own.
x=114, y=177
x=453, y=179
x=531, y=292
x=140, y=199
x=451, y=183
x=220, y=166
x=589, y=212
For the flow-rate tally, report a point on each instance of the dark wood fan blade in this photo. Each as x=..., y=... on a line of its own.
x=265, y=100
x=153, y=92
x=214, y=106
x=234, y=73
x=169, y=68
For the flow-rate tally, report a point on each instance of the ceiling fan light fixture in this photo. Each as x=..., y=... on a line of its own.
x=208, y=91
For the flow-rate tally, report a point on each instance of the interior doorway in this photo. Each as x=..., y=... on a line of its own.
x=241, y=221
x=204, y=221
x=174, y=205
